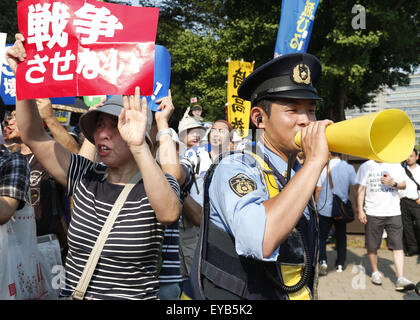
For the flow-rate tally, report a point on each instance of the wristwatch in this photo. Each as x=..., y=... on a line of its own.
x=164, y=131
x=395, y=185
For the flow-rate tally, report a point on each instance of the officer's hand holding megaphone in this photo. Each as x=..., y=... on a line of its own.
x=314, y=141
x=385, y=136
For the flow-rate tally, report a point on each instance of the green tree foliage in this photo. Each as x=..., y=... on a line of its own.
x=8, y=19
x=357, y=63
x=201, y=35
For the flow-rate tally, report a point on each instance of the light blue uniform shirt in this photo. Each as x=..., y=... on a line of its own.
x=243, y=216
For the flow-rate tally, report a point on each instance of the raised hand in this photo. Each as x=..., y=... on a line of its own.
x=166, y=108
x=314, y=142
x=132, y=122
x=16, y=53
x=186, y=113
x=45, y=108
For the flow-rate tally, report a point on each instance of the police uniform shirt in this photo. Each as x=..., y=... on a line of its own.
x=237, y=193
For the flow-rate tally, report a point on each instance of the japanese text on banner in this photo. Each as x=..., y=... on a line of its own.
x=8, y=84
x=238, y=109
x=295, y=28
x=85, y=47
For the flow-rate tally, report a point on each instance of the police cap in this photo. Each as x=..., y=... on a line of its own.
x=288, y=76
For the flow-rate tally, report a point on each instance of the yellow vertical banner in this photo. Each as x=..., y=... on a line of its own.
x=238, y=109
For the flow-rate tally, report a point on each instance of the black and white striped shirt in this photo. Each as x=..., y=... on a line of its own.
x=127, y=268
x=170, y=271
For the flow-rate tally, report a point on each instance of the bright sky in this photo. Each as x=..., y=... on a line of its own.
x=136, y=2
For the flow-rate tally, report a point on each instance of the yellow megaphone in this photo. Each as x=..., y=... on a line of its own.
x=385, y=136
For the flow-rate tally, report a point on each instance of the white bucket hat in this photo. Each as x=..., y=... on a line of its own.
x=188, y=123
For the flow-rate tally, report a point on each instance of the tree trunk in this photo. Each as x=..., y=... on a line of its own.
x=335, y=109
x=398, y=5
x=341, y=102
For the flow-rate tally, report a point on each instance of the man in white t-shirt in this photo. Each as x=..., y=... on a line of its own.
x=378, y=205
x=410, y=206
x=343, y=176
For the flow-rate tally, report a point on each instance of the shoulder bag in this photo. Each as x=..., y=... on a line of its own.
x=341, y=211
x=84, y=280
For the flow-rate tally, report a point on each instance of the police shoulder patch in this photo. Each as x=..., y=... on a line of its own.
x=241, y=184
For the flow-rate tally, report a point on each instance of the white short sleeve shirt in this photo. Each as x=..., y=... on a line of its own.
x=380, y=200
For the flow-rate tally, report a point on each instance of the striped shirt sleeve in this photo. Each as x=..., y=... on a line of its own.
x=78, y=166
x=174, y=185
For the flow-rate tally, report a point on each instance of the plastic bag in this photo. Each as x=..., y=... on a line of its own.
x=7, y=288
x=23, y=257
x=51, y=265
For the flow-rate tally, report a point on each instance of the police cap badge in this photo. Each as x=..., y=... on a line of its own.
x=301, y=74
x=290, y=76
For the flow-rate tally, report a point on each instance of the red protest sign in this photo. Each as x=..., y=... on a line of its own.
x=85, y=47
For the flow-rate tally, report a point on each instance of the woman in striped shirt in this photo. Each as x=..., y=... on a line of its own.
x=128, y=263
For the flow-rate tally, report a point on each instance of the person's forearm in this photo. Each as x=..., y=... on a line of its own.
x=192, y=210
x=285, y=209
x=29, y=122
x=162, y=198
x=361, y=191
x=61, y=135
x=168, y=156
x=169, y=160
x=53, y=157
x=8, y=207
x=401, y=185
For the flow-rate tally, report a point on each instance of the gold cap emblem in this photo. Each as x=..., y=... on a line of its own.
x=301, y=74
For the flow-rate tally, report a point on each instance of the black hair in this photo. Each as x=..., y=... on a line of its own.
x=264, y=104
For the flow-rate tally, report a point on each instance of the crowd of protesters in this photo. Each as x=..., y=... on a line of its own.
x=66, y=190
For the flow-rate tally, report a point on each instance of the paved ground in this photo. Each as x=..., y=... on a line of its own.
x=354, y=283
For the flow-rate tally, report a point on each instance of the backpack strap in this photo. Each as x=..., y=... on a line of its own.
x=410, y=175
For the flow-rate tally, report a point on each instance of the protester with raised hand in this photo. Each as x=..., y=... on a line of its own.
x=60, y=134
x=166, y=153
x=127, y=268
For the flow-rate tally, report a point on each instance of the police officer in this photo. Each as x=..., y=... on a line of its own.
x=259, y=233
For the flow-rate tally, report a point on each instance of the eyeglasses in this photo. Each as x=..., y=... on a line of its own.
x=8, y=116
x=221, y=131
